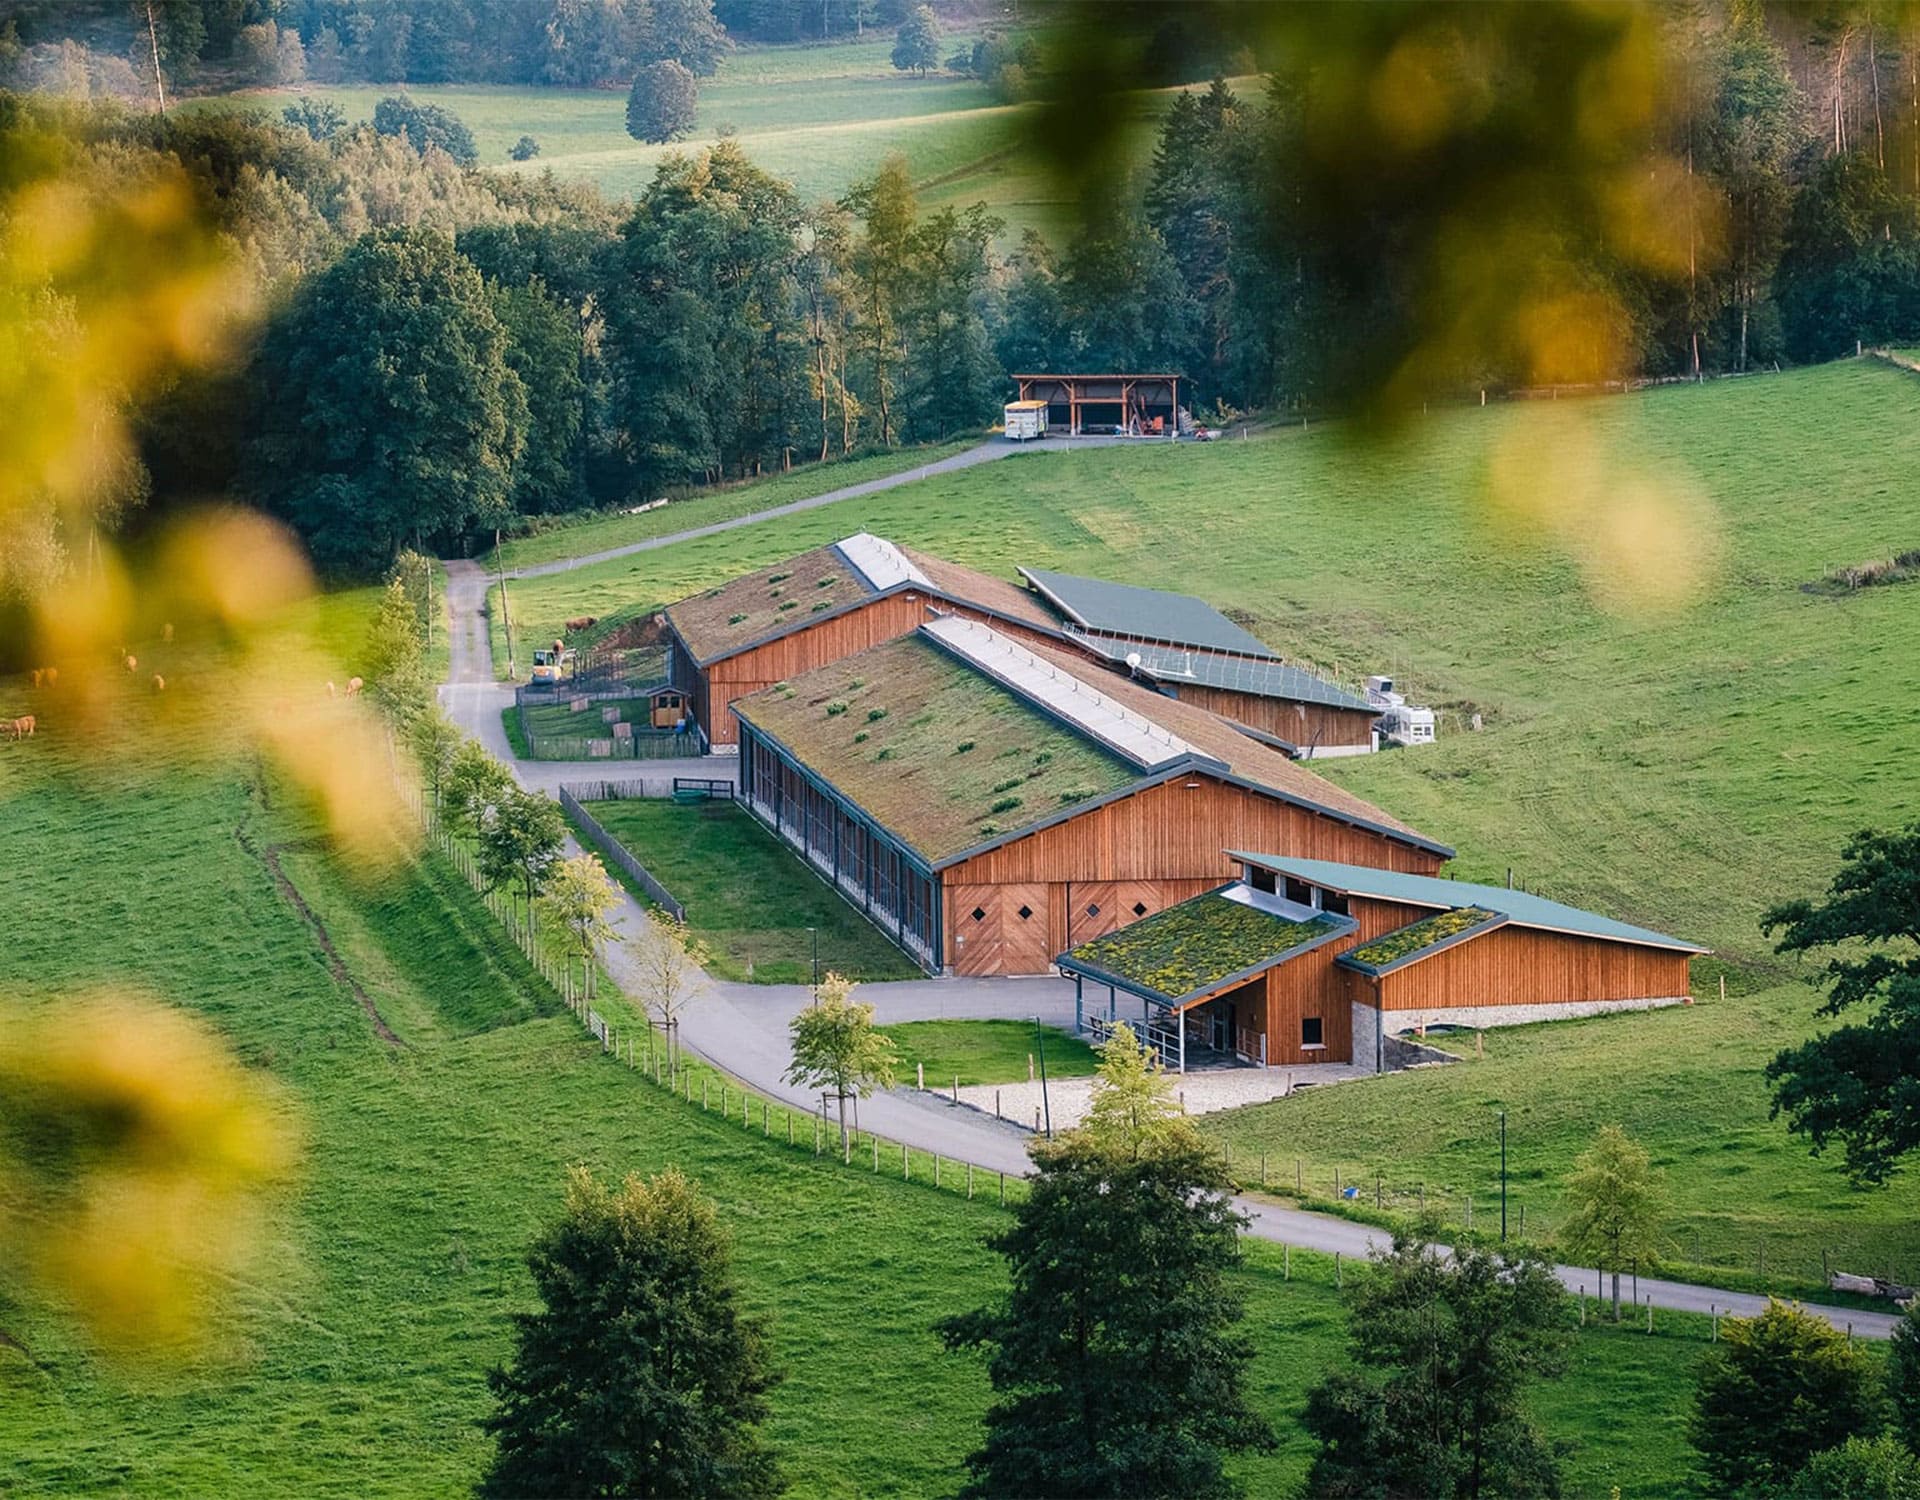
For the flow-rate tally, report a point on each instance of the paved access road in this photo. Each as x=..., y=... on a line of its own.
x=742, y=1028
x=987, y=452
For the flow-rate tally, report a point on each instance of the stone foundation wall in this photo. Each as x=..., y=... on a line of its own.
x=1366, y=1023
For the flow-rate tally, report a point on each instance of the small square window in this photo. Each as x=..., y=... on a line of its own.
x=979, y=915
x=1025, y=912
x=1312, y=1032
x=1094, y=909
x=1139, y=908
x=1299, y=892
x=1335, y=902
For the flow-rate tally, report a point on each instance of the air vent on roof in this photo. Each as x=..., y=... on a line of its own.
x=879, y=562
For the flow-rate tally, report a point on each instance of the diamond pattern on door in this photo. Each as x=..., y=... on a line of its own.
x=1009, y=933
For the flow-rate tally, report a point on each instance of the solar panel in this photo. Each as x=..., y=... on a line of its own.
x=881, y=564
x=1130, y=735
x=1263, y=678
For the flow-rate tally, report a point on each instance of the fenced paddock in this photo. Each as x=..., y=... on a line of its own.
x=611, y=848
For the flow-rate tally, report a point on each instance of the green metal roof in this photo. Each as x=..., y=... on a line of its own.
x=1519, y=907
x=1150, y=614
x=1200, y=946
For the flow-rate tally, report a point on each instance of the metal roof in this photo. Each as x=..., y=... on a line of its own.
x=879, y=563
x=1266, y=678
x=1132, y=736
x=1121, y=609
x=1520, y=907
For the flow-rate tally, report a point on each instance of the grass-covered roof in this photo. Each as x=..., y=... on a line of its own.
x=1193, y=946
x=1403, y=943
x=940, y=755
x=769, y=602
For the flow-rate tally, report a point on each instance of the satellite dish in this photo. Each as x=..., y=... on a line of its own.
x=1133, y=661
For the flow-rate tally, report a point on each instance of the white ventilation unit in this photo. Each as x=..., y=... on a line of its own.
x=883, y=565
x=1129, y=734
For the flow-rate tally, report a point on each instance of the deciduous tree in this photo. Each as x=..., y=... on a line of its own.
x=639, y=1375
x=424, y=126
x=475, y=781
x=1777, y=1389
x=385, y=412
x=837, y=1050
x=577, y=898
x=916, y=47
x=669, y=959
x=1614, y=1204
x=1859, y=1084
x=663, y=102
x=520, y=840
x=1445, y=1347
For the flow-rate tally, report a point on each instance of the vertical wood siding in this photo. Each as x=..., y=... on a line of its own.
x=1301, y=724
x=1521, y=966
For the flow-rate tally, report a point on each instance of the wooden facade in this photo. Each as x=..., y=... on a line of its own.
x=1515, y=966
x=1308, y=725
x=1126, y=859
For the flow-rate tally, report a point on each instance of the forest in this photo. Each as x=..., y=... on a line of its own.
x=424, y=352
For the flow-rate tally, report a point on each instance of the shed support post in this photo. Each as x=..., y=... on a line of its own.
x=1079, y=1010
x=1180, y=1023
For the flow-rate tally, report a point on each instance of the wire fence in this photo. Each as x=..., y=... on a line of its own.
x=618, y=852
x=1369, y=1195
x=631, y=1037
x=641, y=744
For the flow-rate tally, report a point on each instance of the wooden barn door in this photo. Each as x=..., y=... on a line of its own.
x=1004, y=927
x=1097, y=907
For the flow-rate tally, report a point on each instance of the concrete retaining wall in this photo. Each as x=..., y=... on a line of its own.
x=1366, y=1021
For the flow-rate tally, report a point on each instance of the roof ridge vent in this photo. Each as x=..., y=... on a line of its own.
x=1125, y=731
x=880, y=564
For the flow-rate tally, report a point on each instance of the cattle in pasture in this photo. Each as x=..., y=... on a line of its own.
x=353, y=687
x=159, y=683
x=22, y=727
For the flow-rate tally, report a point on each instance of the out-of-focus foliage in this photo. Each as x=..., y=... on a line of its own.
x=133, y=1150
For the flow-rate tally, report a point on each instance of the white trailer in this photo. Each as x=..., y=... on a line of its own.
x=1026, y=419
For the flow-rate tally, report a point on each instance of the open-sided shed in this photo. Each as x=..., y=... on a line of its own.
x=1151, y=403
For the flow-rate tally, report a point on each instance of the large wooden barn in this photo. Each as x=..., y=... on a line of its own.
x=827, y=604
x=991, y=801
x=1306, y=960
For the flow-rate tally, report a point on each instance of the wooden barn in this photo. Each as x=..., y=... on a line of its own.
x=825, y=605
x=991, y=800
x=820, y=607
x=1305, y=961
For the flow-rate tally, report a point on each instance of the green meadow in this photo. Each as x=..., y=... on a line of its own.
x=1681, y=767
x=820, y=116
x=349, y=1359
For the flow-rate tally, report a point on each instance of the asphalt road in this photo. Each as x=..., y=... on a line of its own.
x=742, y=1028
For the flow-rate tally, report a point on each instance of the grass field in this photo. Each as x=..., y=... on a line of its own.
x=820, y=116
x=1681, y=770
x=748, y=897
x=708, y=506
x=351, y=1358
x=985, y=1051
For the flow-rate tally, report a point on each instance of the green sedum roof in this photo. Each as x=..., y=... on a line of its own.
x=1194, y=946
x=1403, y=943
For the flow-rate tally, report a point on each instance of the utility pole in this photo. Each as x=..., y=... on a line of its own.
x=1503, y=1176
x=1040, y=1044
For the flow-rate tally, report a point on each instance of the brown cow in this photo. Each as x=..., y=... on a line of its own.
x=133, y=664
x=36, y=676
x=353, y=687
x=53, y=676
x=22, y=727
x=166, y=634
x=583, y=622
x=159, y=683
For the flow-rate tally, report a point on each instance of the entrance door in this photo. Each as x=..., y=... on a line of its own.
x=1000, y=929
